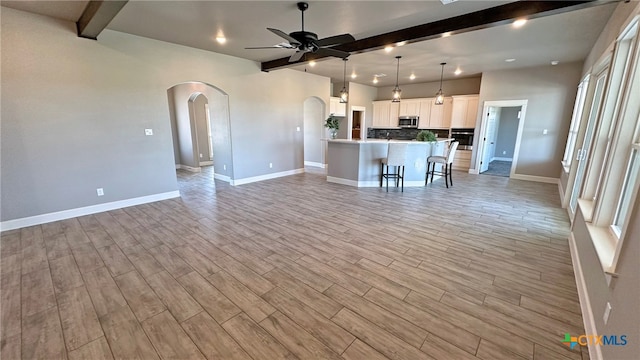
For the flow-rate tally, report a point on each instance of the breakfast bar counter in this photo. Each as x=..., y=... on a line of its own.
x=357, y=162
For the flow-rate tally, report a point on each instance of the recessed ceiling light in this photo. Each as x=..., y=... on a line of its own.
x=221, y=39
x=555, y=62
x=388, y=48
x=519, y=23
x=375, y=80
x=447, y=34
x=458, y=71
x=412, y=77
x=445, y=2
x=353, y=75
x=379, y=75
x=401, y=43
x=312, y=63
x=509, y=60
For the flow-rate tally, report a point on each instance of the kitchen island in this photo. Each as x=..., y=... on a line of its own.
x=357, y=162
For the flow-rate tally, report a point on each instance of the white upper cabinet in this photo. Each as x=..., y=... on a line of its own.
x=425, y=113
x=410, y=107
x=441, y=114
x=465, y=111
x=336, y=108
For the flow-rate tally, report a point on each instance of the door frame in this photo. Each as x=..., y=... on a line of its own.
x=483, y=131
x=350, y=119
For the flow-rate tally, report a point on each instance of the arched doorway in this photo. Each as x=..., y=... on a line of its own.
x=314, y=132
x=201, y=129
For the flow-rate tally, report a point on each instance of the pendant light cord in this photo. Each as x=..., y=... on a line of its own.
x=344, y=74
x=441, y=74
x=398, y=70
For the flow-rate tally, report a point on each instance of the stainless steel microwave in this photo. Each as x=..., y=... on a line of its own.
x=408, y=121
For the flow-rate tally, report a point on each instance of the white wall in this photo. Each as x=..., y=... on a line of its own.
x=550, y=91
x=74, y=113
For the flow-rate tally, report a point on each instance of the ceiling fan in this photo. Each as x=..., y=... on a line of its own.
x=308, y=42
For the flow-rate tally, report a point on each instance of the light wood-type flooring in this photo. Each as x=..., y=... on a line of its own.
x=297, y=267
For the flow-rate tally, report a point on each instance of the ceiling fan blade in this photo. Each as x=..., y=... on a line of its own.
x=267, y=47
x=297, y=56
x=335, y=40
x=332, y=52
x=285, y=36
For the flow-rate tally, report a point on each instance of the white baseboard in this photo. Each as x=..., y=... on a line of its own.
x=541, y=179
x=315, y=164
x=474, y=171
x=87, y=210
x=502, y=159
x=595, y=352
x=221, y=177
x=206, y=163
x=188, y=168
x=266, y=177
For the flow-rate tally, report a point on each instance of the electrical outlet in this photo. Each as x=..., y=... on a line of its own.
x=504, y=153
x=148, y=132
x=270, y=165
x=224, y=167
x=607, y=312
x=544, y=132
x=200, y=155
x=298, y=128
x=100, y=191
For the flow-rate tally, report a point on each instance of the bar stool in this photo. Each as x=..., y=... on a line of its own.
x=446, y=161
x=396, y=156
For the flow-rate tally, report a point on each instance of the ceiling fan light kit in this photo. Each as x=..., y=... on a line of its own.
x=396, y=90
x=344, y=94
x=307, y=42
x=440, y=94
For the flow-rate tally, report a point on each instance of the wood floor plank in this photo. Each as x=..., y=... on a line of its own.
x=11, y=347
x=312, y=321
x=126, y=338
x=381, y=317
x=300, y=272
x=316, y=300
x=98, y=349
x=37, y=292
x=65, y=274
x=490, y=351
x=169, y=338
x=87, y=258
x=104, y=292
x=115, y=260
x=42, y=336
x=348, y=282
x=247, y=258
x=245, y=299
x=170, y=261
x=11, y=304
x=34, y=258
x=295, y=339
x=212, y=340
x=210, y=298
x=181, y=305
x=142, y=260
x=80, y=323
x=255, y=340
x=553, y=312
x=382, y=341
x=361, y=351
x=428, y=320
x=370, y=278
x=196, y=260
x=143, y=301
x=441, y=349
x=257, y=283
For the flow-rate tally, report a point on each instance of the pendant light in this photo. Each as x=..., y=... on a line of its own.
x=396, y=90
x=344, y=94
x=439, y=94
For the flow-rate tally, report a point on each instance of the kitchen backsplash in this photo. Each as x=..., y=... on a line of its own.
x=401, y=134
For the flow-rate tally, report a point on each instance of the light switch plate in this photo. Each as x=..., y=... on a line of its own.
x=607, y=312
x=148, y=132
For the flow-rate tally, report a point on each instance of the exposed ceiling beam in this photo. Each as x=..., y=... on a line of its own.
x=96, y=16
x=482, y=19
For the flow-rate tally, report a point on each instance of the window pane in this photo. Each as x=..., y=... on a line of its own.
x=630, y=178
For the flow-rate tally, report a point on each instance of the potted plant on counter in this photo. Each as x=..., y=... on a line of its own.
x=333, y=124
x=426, y=135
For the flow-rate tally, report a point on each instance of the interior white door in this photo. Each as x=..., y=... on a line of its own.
x=489, y=140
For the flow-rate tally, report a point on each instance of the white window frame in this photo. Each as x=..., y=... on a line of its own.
x=576, y=120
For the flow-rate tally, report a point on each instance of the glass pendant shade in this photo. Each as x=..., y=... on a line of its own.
x=440, y=94
x=396, y=90
x=344, y=94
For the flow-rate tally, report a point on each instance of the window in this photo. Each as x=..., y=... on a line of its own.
x=575, y=123
x=628, y=187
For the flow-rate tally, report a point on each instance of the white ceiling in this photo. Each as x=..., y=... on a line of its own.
x=564, y=37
